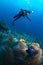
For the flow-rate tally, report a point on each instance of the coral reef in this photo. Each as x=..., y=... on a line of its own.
x=13, y=48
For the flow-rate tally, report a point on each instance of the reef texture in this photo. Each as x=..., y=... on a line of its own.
x=13, y=46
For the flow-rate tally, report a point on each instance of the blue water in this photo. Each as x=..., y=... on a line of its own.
x=9, y=8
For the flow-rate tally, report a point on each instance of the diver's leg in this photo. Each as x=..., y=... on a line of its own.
x=16, y=19
x=16, y=16
x=28, y=18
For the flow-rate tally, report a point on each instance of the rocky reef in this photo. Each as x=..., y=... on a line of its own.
x=17, y=49
x=14, y=46
x=3, y=26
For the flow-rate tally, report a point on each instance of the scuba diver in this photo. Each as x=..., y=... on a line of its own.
x=22, y=13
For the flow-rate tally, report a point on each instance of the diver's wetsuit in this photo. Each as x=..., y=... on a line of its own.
x=22, y=13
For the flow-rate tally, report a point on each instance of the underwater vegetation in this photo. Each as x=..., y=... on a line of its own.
x=18, y=49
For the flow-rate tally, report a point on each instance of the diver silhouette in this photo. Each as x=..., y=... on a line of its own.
x=22, y=13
